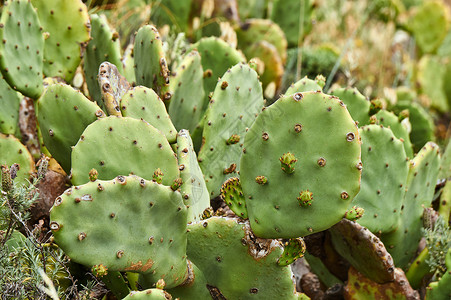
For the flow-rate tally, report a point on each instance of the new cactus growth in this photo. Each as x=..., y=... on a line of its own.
x=232, y=195
x=292, y=250
x=354, y=213
x=305, y=198
x=287, y=162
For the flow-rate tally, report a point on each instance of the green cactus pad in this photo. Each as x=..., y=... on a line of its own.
x=234, y=106
x=402, y=243
x=21, y=33
x=149, y=294
x=319, y=131
x=59, y=106
x=103, y=46
x=129, y=64
x=143, y=103
x=431, y=80
x=121, y=146
x=235, y=263
x=151, y=69
x=232, y=195
x=12, y=151
x=383, y=156
x=356, y=103
x=445, y=167
x=112, y=87
x=422, y=123
x=255, y=30
x=303, y=85
x=187, y=100
x=9, y=108
x=216, y=57
x=286, y=14
x=194, y=191
x=126, y=224
x=390, y=120
x=429, y=25
x=67, y=24
x=292, y=250
x=363, y=250
x=363, y=288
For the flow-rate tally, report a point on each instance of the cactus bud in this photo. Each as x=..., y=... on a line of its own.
x=7, y=182
x=261, y=180
x=320, y=80
x=160, y=284
x=177, y=184
x=354, y=213
x=287, y=162
x=375, y=106
x=99, y=270
x=93, y=174
x=305, y=198
x=233, y=139
x=43, y=166
x=158, y=176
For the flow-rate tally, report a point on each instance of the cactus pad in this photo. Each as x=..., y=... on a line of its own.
x=13, y=151
x=121, y=146
x=151, y=69
x=383, y=156
x=103, y=46
x=9, y=108
x=112, y=86
x=21, y=33
x=236, y=263
x=149, y=294
x=67, y=23
x=59, y=106
x=318, y=130
x=143, y=103
x=187, y=101
x=356, y=103
x=234, y=106
x=126, y=224
x=194, y=191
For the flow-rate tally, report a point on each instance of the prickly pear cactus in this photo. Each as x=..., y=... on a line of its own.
x=235, y=263
x=22, y=36
x=173, y=12
x=151, y=69
x=13, y=151
x=390, y=120
x=430, y=77
x=235, y=103
x=423, y=172
x=187, y=101
x=59, y=106
x=67, y=24
x=194, y=190
x=103, y=46
x=216, y=57
x=143, y=103
x=125, y=224
x=383, y=156
x=195, y=287
x=357, y=104
x=303, y=85
x=321, y=135
x=232, y=195
x=9, y=108
x=121, y=146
